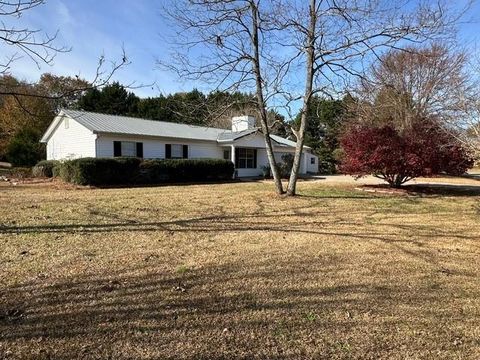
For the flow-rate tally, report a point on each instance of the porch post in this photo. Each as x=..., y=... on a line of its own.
x=232, y=156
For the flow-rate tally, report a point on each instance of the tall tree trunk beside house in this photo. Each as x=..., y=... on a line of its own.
x=300, y=133
x=230, y=30
x=261, y=101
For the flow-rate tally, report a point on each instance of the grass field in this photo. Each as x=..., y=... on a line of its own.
x=231, y=271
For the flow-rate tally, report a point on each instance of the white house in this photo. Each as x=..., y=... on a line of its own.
x=75, y=134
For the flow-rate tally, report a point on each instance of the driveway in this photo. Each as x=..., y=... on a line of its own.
x=473, y=179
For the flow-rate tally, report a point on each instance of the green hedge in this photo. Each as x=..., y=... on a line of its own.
x=45, y=168
x=184, y=170
x=99, y=171
x=122, y=171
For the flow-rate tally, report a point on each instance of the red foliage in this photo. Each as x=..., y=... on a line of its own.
x=423, y=150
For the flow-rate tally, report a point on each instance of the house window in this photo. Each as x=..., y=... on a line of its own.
x=66, y=122
x=127, y=148
x=246, y=158
x=312, y=160
x=176, y=151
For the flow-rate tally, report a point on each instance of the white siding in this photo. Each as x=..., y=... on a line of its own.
x=154, y=148
x=262, y=160
x=253, y=140
x=70, y=141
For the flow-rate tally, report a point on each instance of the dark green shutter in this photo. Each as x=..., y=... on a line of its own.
x=117, y=148
x=139, y=149
x=185, y=151
x=168, y=151
x=255, y=158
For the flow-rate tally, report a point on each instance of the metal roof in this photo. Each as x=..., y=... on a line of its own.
x=234, y=135
x=116, y=124
x=286, y=142
x=125, y=125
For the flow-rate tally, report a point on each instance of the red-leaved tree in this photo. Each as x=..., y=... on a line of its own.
x=424, y=149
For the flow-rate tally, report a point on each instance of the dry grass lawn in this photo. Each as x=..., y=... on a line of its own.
x=231, y=271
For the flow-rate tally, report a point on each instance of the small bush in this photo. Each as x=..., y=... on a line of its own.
x=45, y=168
x=64, y=170
x=266, y=172
x=285, y=167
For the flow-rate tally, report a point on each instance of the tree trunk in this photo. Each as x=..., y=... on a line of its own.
x=395, y=181
x=300, y=133
x=261, y=101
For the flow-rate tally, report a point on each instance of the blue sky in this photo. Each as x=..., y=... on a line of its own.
x=95, y=27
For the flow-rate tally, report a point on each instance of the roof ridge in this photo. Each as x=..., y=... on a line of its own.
x=139, y=118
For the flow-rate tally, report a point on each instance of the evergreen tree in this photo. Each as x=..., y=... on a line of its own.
x=112, y=99
x=325, y=120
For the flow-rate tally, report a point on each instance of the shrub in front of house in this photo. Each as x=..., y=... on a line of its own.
x=121, y=171
x=45, y=168
x=285, y=166
x=100, y=171
x=184, y=170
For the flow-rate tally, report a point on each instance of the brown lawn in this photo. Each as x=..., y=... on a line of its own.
x=231, y=271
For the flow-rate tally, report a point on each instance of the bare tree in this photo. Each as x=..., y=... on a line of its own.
x=336, y=38
x=267, y=43
x=466, y=124
x=234, y=39
x=432, y=82
x=38, y=46
x=41, y=48
x=419, y=82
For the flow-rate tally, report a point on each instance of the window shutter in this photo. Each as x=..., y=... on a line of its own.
x=168, y=151
x=139, y=149
x=237, y=152
x=185, y=151
x=255, y=158
x=117, y=148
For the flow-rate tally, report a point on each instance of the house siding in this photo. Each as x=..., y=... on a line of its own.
x=262, y=160
x=154, y=148
x=70, y=142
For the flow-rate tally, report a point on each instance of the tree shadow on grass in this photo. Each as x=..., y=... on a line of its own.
x=444, y=189
x=427, y=189
x=231, y=310
x=310, y=224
